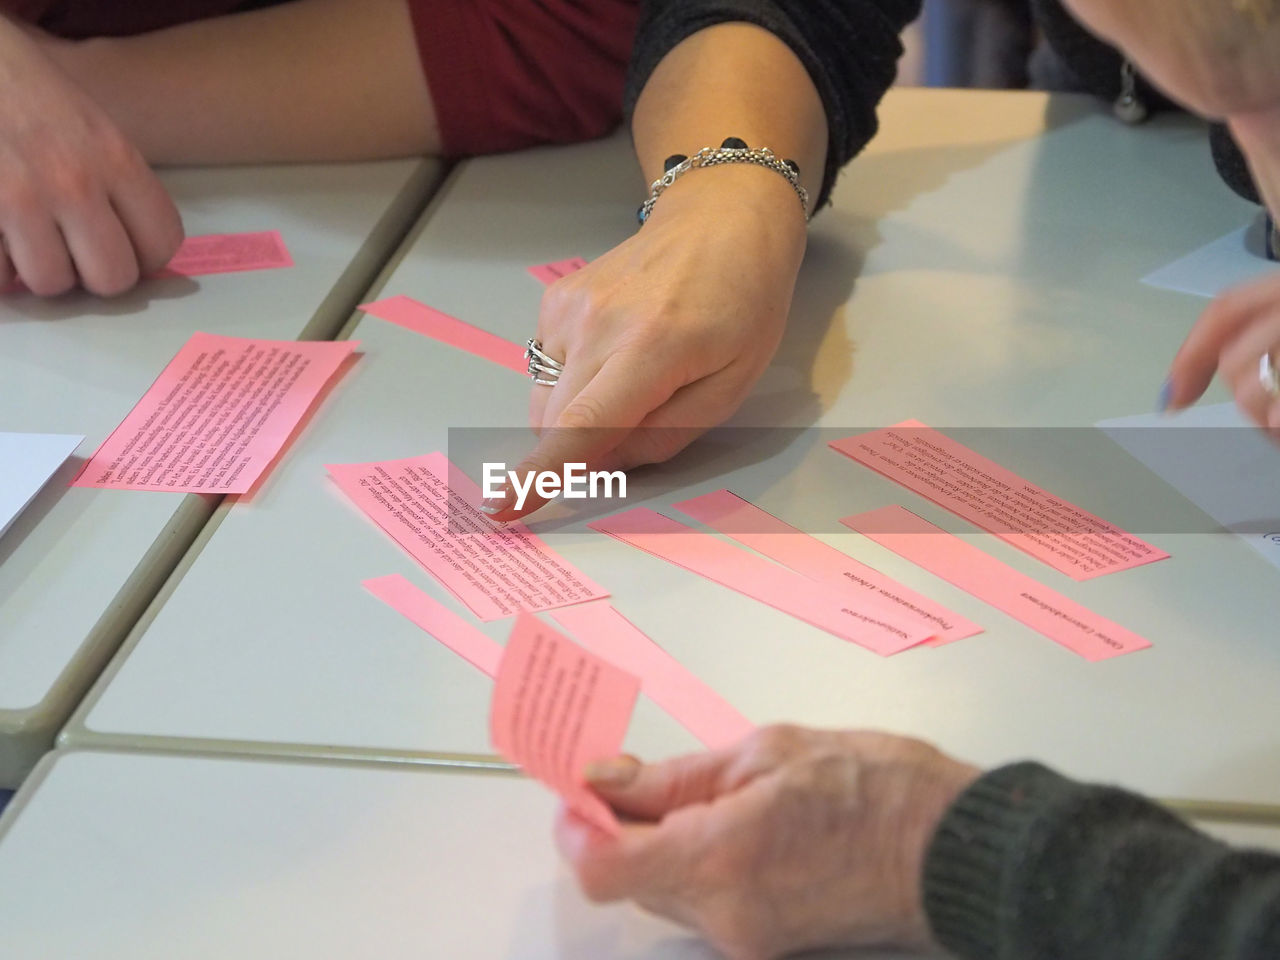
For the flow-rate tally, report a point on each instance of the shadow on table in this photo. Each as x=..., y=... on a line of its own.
x=20, y=306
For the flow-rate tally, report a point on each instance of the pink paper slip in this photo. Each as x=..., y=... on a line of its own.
x=873, y=625
x=1062, y=620
x=763, y=532
x=549, y=273
x=216, y=417
x=698, y=708
x=429, y=507
x=418, y=317
x=557, y=708
x=981, y=491
x=230, y=253
x=438, y=620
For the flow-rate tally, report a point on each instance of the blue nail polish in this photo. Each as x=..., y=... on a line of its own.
x=1166, y=396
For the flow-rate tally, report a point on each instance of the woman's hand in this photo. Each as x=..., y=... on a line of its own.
x=791, y=840
x=77, y=202
x=1232, y=336
x=664, y=336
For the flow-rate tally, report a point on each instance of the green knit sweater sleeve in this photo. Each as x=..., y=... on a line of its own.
x=1028, y=865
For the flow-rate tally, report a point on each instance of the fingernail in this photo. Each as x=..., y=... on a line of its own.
x=614, y=772
x=1166, y=397
x=492, y=505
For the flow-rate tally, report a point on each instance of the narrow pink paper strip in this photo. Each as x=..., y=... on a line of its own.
x=667, y=682
x=474, y=646
x=230, y=253
x=431, y=508
x=872, y=625
x=1047, y=612
x=981, y=491
x=763, y=532
x=430, y=322
x=216, y=417
x=549, y=273
x=556, y=708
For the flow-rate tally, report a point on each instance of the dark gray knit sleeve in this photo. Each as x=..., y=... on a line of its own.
x=1029, y=864
x=850, y=49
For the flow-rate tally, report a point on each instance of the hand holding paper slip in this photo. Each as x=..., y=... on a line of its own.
x=557, y=708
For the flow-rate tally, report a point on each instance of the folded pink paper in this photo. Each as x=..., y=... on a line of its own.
x=557, y=708
x=474, y=646
x=810, y=557
x=430, y=508
x=981, y=491
x=549, y=273
x=1047, y=612
x=230, y=253
x=664, y=679
x=871, y=624
x=430, y=322
x=216, y=417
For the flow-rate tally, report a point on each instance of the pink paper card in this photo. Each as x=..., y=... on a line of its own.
x=418, y=317
x=763, y=532
x=474, y=646
x=873, y=624
x=230, y=253
x=947, y=556
x=216, y=417
x=667, y=682
x=557, y=708
x=549, y=273
x=981, y=491
x=431, y=508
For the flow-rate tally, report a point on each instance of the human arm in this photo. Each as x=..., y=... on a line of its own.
x=308, y=80
x=665, y=335
x=799, y=838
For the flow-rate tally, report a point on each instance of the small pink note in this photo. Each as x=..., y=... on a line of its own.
x=230, y=253
x=1047, y=612
x=557, y=708
x=474, y=646
x=430, y=508
x=873, y=624
x=981, y=491
x=549, y=273
x=667, y=682
x=418, y=317
x=216, y=417
x=810, y=557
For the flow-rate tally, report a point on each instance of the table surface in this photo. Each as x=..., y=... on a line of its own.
x=980, y=268
x=79, y=565
x=252, y=858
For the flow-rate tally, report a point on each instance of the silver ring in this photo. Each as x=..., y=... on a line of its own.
x=1268, y=376
x=544, y=369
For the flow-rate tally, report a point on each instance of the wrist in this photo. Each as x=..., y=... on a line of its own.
x=743, y=195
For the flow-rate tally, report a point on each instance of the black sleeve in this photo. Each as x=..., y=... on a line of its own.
x=1028, y=864
x=849, y=47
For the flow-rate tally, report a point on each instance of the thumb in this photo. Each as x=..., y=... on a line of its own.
x=649, y=791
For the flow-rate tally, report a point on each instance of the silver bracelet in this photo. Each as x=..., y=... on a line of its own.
x=732, y=150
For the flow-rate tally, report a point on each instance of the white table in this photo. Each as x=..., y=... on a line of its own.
x=79, y=566
x=973, y=273
x=122, y=856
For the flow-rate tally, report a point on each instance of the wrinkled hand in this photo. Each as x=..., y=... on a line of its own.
x=1231, y=337
x=791, y=840
x=664, y=336
x=77, y=202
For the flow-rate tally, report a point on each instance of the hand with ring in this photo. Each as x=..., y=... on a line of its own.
x=664, y=336
x=1238, y=336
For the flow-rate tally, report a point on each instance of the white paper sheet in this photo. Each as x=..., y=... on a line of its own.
x=27, y=461
x=1238, y=257
x=1216, y=459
